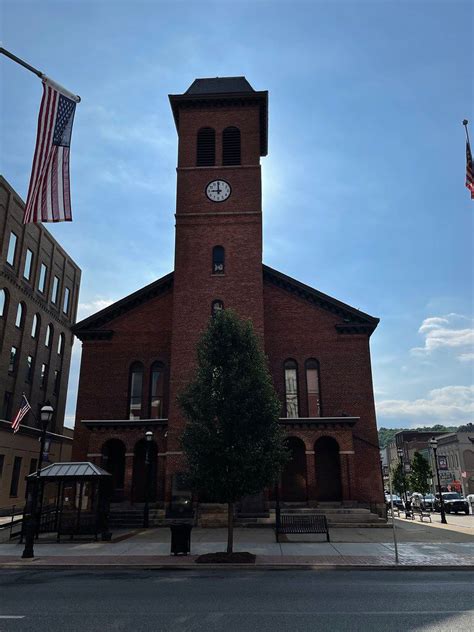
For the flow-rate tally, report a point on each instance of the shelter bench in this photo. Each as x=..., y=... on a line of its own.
x=307, y=523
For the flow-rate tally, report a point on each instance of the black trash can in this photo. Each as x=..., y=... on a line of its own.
x=180, y=538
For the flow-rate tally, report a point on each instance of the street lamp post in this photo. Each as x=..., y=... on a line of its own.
x=146, y=510
x=31, y=514
x=434, y=447
x=402, y=468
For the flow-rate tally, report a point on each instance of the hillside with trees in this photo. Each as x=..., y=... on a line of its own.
x=386, y=435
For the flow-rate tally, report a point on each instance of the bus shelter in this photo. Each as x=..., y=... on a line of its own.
x=73, y=499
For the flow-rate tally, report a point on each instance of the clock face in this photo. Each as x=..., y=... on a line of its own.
x=218, y=190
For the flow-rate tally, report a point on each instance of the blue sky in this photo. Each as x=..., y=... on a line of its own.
x=363, y=187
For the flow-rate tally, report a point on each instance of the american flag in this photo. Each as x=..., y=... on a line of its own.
x=49, y=197
x=24, y=408
x=469, y=170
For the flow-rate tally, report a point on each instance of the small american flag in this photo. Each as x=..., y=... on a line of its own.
x=469, y=170
x=24, y=408
x=49, y=197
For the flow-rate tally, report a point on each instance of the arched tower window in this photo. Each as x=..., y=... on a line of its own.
x=217, y=307
x=20, y=315
x=61, y=344
x=157, y=379
x=231, y=146
x=206, y=147
x=218, y=260
x=135, y=390
x=312, y=388
x=291, y=389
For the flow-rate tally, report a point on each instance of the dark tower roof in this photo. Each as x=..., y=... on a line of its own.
x=222, y=91
x=217, y=85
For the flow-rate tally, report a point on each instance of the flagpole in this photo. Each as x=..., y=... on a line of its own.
x=466, y=123
x=37, y=72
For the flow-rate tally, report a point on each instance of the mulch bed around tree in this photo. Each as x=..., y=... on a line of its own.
x=226, y=558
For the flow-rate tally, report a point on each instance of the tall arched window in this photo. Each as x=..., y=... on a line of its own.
x=35, y=326
x=3, y=302
x=135, y=390
x=49, y=336
x=312, y=387
x=231, y=146
x=61, y=344
x=291, y=388
x=157, y=379
x=20, y=315
x=218, y=260
x=206, y=147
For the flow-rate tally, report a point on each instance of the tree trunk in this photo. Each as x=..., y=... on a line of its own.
x=230, y=527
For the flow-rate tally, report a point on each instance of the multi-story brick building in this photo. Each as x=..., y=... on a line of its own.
x=39, y=289
x=139, y=352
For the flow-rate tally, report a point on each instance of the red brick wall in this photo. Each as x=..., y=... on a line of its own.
x=296, y=329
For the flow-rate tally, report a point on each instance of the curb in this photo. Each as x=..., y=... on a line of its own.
x=235, y=567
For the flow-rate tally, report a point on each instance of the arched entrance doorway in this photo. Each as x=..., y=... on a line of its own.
x=139, y=471
x=293, y=480
x=328, y=469
x=113, y=461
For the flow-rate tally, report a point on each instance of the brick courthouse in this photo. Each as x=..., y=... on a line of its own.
x=139, y=352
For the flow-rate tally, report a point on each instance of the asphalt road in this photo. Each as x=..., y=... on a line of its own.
x=231, y=601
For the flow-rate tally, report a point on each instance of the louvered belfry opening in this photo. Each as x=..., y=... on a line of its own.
x=206, y=147
x=231, y=146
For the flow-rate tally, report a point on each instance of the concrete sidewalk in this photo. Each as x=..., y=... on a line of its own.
x=420, y=545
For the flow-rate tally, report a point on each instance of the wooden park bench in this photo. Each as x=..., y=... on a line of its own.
x=305, y=523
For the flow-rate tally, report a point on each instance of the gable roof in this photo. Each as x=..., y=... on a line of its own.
x=354, y=321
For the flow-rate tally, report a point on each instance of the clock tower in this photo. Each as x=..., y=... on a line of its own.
x=222, y=129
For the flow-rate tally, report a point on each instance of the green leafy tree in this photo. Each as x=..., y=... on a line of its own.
x=233, y=443
x=419, y=474
x=398, y=483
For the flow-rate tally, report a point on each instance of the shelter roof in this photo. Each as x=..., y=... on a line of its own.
x=84, y=469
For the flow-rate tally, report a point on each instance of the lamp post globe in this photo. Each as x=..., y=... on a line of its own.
x=434, y=446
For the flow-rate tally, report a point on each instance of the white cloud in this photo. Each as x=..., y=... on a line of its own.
x=87, y=309
x=452, y=331
x=450, y=404
x=466, y=357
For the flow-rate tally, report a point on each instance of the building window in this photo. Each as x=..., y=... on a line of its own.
x=12, y=363
x=35, y=326
x=54, y=292
x=49, y=336
x=15, y=476
x=157, y=391
x=136, y=388
x=42, y=277
x=66, y=300
x=61, y=344
x=20, y=315
x=28, y=263
x=3, y=302
x=217, y=307
x=231, y=146
x=218, y=260
x=206, y=147
x=57, y=382
x=291, y=389
x=44, y=377
x=12, y=249
x=29, y=368
x=312, y=387
x=7, y=406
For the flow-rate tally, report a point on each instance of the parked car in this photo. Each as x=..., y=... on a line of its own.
x=453, y=503
x=397, y=501
x=429, y=502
